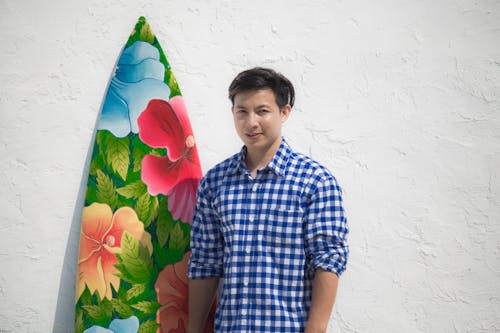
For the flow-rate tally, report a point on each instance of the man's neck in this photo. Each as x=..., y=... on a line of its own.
x=256, y=160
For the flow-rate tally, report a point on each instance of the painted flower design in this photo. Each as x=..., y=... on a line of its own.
x=129, y=325
x=100, y=241
x=138, y=79
x=172, y=291
x=166, y=125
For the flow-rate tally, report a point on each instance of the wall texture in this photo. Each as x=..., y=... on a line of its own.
x=399, y=98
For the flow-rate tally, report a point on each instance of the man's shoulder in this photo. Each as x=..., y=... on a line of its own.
x=312, y=174
x=309, y=166
x=222, y=168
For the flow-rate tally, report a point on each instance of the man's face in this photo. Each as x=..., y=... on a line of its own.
x=258, y=119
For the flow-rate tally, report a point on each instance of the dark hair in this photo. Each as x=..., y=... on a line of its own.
x=263, y=78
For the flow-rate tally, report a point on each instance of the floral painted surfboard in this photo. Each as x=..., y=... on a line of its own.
x=141, y=192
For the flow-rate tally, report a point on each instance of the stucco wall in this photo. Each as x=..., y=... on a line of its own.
x=400, y=99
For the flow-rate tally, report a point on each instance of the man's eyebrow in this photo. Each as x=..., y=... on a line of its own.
x=263, y=105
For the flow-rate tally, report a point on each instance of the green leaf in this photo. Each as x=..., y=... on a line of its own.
x=138, y=152
x=171, y=81
x=146, y=34
x=106, y=191
x=94, y=312
x=146, y=208
x=134, y=36
x=179, y=239
x=121, y=308
x=149, y=326
x=100, y=138
x=163, y=225
x=90, y=195
x=142, y=207
x=153, y=210
x=86, y=297
x=163, y=213
x=161, y=255
x=158, y=152
x=123, y=273
x=135, y=290
x=133, y=190
x=79, y=326
x=147, y=307
x=96, y=164
x=135, y=265
x=99, y=314
x=117, y=154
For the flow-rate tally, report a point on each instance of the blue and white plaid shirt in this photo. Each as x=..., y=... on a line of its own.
x=265, y=236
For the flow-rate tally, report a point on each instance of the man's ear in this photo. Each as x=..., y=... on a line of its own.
x=285, y=112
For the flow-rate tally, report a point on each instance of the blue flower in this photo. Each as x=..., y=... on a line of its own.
x=129, y=325
x=138, y=79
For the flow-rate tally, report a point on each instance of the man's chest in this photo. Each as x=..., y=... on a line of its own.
x=268, y=212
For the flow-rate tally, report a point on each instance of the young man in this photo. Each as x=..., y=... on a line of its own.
x=269, y=222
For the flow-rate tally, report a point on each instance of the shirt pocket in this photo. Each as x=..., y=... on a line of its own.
x=283, y=226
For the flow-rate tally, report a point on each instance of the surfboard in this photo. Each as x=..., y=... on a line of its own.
x=140, y=199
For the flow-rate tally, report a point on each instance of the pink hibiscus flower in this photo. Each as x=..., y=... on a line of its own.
x=166, y=125
x=172, y=291
x=100, y=241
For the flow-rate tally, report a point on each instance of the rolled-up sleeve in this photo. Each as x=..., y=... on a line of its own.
x=206, y=240
x=326, y=228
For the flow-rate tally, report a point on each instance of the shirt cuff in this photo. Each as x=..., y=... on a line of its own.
x=334, y=261
x=197, y=271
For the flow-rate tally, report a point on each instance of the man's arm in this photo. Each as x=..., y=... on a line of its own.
x=201, y=298
x=326, y=249
x=324, y=290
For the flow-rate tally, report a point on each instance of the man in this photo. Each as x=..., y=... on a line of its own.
x=269, y=222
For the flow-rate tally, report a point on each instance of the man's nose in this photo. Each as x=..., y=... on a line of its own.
x=252, y=119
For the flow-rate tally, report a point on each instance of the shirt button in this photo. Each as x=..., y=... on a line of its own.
x=255, y=187
x=247, y=250
x=244, y=312
x=251, y=218
x=245, y=282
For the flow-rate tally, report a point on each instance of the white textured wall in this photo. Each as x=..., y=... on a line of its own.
x=400, y=98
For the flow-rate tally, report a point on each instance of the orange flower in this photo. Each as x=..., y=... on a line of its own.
x=100, y=241
x=172, y=291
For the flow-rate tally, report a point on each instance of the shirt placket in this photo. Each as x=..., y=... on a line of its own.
x=249, y=243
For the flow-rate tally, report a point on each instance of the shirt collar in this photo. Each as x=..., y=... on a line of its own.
x=277, y=164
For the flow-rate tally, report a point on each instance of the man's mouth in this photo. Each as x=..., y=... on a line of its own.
x=253, y=135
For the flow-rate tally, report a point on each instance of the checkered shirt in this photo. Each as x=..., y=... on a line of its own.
x=265, y=236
